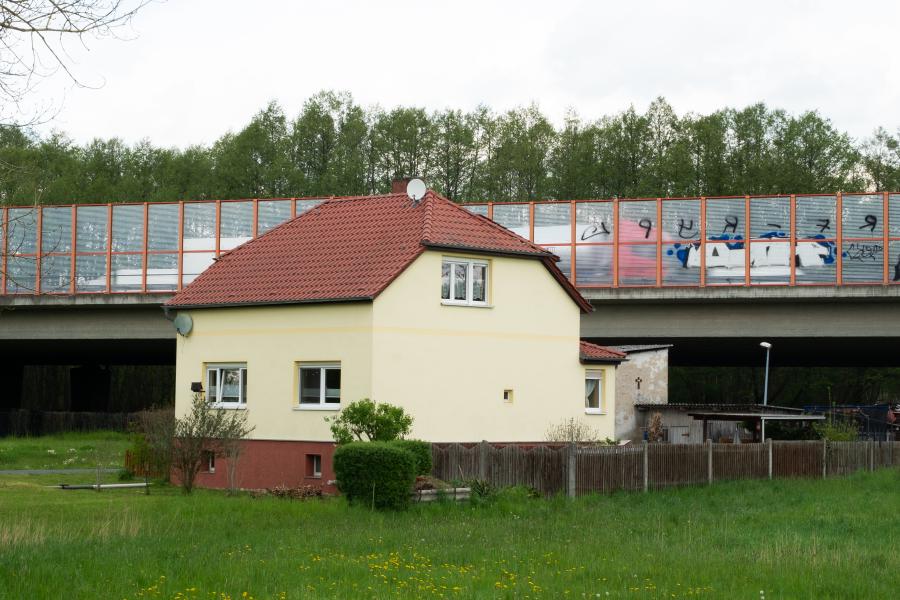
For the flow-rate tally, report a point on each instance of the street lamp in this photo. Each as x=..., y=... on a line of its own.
x=768, y=348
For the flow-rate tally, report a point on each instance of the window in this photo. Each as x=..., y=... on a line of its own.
x=210, y=460
x=593, y=392
x=313, y=465
x=464, y=281
x=320, y=386
x=507, y=395
x=226, y=385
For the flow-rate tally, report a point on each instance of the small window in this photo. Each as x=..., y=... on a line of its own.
x=210, y=461
x=226, y=385
x=507, y=395
x=593, y=392
x=464, y=281
x=320, y=386
x=313, y=465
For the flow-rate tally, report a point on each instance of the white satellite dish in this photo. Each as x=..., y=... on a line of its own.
x=183, y=324
x=416, y=189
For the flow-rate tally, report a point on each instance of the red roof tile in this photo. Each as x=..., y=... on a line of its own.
x=593, y=352
x=351, y=249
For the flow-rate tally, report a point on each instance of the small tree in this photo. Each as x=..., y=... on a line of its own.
x=655, y=428
x=364, y=420
x=573, y=431
x=232, y=442
x=202, y=430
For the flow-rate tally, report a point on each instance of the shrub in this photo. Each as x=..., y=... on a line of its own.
x=364, y=420
x=571, y=430
x=378, y=474
x=421, y=450
x=838, y=430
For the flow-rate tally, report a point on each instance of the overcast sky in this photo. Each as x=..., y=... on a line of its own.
x=195, y=69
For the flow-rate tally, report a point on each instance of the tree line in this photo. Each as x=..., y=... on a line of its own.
x=334, y=146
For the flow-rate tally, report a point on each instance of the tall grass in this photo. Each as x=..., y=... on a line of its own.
x=753, y=539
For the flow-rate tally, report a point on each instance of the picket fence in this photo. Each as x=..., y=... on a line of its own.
x=576, y=469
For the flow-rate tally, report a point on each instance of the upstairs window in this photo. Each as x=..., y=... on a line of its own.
x=594, y=403
x=464, y=281
x=320, y=386
x=226, y=385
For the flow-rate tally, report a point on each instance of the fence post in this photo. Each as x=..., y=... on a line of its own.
x=871, y=455
x=482, y=460
x=769, y=444
x=571, y=462
x=824, y=459
x=646, y=466
x=709, y=460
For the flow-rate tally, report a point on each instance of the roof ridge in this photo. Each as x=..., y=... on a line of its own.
x=497, y=227
x=429, y=214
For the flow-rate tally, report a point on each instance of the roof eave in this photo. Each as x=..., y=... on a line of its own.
x=267, y=303
x=602, y=361
x=492, y=252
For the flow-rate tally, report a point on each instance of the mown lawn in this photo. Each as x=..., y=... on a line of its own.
x=64, y=451
x=761, y=539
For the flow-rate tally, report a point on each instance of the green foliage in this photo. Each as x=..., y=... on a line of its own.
x=376, y=474
x=335, y=146
x=421, y=450
x=571, y=430
x=838, y=430
x=364, y=420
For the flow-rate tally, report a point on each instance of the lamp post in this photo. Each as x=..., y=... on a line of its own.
x=768, y=348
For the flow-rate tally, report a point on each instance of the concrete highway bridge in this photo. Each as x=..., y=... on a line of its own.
x=817, y=275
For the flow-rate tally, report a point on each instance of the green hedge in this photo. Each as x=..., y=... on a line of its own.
x=375, y=473
x=421, y=450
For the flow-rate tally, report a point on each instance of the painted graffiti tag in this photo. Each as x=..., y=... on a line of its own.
x=594, y=230
x=863, y=251
x=687, y=231
x=871, y=223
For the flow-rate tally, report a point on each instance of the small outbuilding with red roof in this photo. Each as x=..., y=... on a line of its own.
x=472, y=329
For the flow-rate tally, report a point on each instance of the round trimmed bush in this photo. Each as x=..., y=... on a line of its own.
x=421, y=450
x=375, y=473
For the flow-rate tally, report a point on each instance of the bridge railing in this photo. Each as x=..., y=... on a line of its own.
x=788, y=240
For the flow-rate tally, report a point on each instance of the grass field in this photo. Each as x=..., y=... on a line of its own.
x=759, y=539
x=64, y=451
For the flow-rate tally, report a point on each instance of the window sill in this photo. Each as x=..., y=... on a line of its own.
x=319, y=476
x=594, y=411
x=332, y=407
x=229, y=405
x=466, y=304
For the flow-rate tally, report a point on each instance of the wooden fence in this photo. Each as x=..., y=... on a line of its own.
x=580, y=469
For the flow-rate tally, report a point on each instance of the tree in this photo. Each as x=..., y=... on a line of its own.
x=33, y=35
x=364, y=420
x=204, y=430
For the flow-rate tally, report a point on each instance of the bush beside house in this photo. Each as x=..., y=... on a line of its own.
x=377, y=474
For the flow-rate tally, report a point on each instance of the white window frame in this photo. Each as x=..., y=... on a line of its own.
x=470, y=280
x=242, y=375
x=322, y=405
x=316, y=468
x=599, y=376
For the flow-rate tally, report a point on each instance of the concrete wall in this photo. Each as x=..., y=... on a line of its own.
x=272, y=341
x=652, y=368
x=450, y=364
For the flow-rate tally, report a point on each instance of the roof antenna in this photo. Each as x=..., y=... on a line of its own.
x=415, y=189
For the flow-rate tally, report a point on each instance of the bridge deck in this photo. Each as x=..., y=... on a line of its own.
x=802, y=241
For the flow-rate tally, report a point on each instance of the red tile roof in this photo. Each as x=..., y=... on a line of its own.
x=349, y=249
x=592, y=352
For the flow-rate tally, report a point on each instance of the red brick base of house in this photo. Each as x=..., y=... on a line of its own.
x=270, y=463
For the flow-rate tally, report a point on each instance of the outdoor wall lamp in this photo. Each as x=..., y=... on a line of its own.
x=197, y=387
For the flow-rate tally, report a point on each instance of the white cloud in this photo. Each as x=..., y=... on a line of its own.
x=197, y=69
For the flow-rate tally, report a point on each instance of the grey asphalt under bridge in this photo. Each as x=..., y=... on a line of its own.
x=712, y=326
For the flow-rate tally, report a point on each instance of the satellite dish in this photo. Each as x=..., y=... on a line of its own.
x=183, y=323
x=416, y=189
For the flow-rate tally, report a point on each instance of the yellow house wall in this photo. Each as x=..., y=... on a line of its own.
x=448, y=365
x=272, y=341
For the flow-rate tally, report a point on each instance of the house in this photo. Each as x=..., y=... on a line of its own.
x=470, y=328
x=642, y=379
